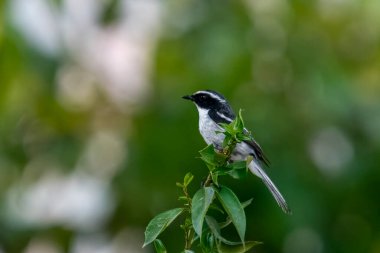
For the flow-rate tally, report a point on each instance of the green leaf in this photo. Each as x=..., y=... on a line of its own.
x=238, y=174
x=216, y=208
x=199, y=206
x=226, y=140
x=224, y=125
x=207, y=243
x=228, y=221
x=220, y=158
x=208, y=154
x=159, y=223
x=246, y=203
x=184, y=198
x=239, y=122
x=213, y=225
x=215, y=230
x=239, y=165
x=212, y=158
x=238, y=170
x=234, y=209
x=214, y=177
x=159, y=246
x=188, y=178
x=241, y=248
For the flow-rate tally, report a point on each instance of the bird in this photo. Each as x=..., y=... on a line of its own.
x=214, y=110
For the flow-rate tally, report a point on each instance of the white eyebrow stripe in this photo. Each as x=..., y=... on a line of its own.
x=211, y=95
x=224, y=117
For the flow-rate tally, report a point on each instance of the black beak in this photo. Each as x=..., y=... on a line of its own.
x=188, y=97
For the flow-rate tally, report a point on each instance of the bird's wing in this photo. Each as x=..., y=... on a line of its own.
x=221, y=117
x=259, y=154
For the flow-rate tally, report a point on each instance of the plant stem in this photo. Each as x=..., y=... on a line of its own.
x=189, y=235
x=188, y=226
x=208, y=180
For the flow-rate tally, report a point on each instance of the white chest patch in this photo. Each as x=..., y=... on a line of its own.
x=208, y=128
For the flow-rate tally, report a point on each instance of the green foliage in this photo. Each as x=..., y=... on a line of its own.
x=201, y=202
x=159, y=246
x=233, y=208
x=239, y=248
x=199, y=225
x=234, y=132
x=159, y=223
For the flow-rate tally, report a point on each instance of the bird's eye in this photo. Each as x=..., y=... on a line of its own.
x=203, y=97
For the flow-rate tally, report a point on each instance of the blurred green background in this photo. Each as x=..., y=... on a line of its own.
x=94, y=133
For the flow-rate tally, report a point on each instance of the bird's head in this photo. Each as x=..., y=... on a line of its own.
x=207, y=99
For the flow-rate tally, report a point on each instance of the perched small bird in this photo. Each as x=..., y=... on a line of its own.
x=214, y=109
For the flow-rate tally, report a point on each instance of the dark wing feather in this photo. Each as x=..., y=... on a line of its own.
x=222, y=117
x=259, y=154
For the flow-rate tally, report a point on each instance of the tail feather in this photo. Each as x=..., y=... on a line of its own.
x=258, y=171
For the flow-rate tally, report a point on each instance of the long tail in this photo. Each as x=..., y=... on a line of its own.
x=258, y=171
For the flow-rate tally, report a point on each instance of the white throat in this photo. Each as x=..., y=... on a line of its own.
x=208, y=128
x=203, y=114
